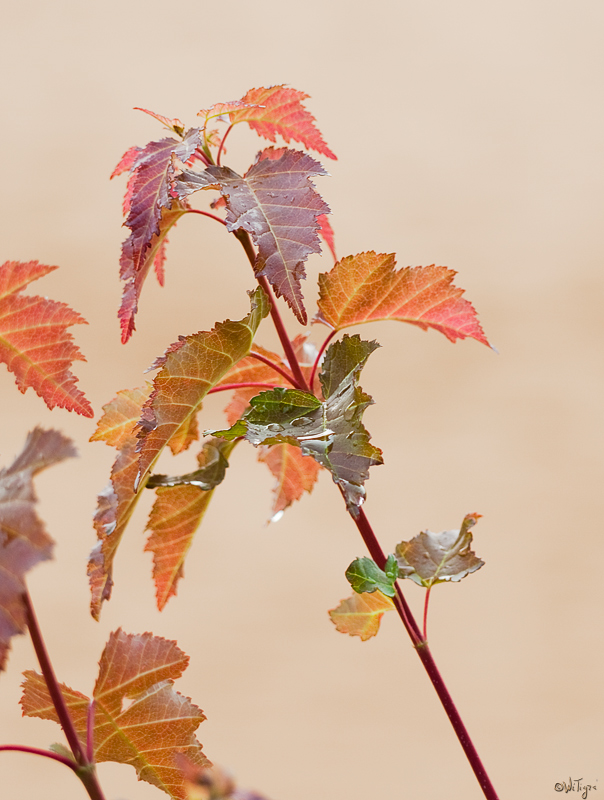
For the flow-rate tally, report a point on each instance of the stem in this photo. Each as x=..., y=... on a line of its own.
x=300, y=381
x=426, y=601
x=319, y=354
x=423, y=651
x=36, y=751
x=274, y=366
x=85, y=769
x=206, y=214
x=220, y=149
x=228, y=386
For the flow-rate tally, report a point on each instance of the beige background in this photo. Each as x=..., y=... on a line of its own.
x=468, y=134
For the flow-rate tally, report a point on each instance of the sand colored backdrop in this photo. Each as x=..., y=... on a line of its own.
x=469, y=134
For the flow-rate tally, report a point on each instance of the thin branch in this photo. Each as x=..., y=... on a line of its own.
x=206, y=214
x=319, y=354
x=274, y=366
x=220, y=149
x=423, y=651
x=300, y=381
x=36, y=751
x=86, y=771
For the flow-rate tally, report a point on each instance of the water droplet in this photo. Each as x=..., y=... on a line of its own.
x=275, y=427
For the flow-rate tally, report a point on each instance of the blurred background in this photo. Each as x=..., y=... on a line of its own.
x=468, y=134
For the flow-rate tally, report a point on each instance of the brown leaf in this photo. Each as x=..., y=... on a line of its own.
x=366, y=288
x=361, y=614
x=138, y=717
x=35, y=344
x=277, y=204
x=23, y=540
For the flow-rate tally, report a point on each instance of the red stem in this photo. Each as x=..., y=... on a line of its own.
x=426, y=601
x=228, y=386
x=274, y=366
x=423, y=651
x=86, y=771
x=220, y=149
x=206, y=214
x=319, y=354
x=21, y=748
x=300, y=381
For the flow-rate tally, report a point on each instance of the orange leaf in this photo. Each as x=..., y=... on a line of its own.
x=34, y=342
x=366, y=288
x=23, y=540
x=295, y=474
x=361, y=614
x=116, y=426
x=147, y=732
x=116, y=503
x=174, y=519
x=279, y=110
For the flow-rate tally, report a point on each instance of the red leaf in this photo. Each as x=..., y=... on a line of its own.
x=147, y=732
x=279, y=110
x=188, y=370
x=326, y=232
x=361, y=614
x=366, y=288
x=126, y=162
x=23, y=540
x=294, y=473
x=151, y=199
x=276, y=203
x=174, y=125
x=34, y=342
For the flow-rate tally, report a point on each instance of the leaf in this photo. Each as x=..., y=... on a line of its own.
x=174, y=125
x=330, y=431
x=126, y=162
x=327, y=234
x=279, y=110
x=432, y=558
x=116, y=503
x=116, y=426
x=152, y=212
x=139, y=719
x=211, y=783
x=361, y=614
x=276, y=203
x=177, y=513
x=294, y=472
x=23, y=540
x=188, y=370
x=34, y=342
x=366, y=288
x=364, y=575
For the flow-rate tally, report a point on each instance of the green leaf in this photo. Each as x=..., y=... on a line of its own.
x=364, y=575
x=330, y=431
x=432, y=558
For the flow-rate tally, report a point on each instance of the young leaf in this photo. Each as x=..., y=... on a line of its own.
x=152, y=212
x=294, y=472
x=330, y=431
x=276, y=203
x=327, y=234
x=177, y=513
x=34, y=342
x=188, y=370
x=23, y=540
x=116, y=503
x=139, y=719
x=361, y=614
x=364, y=575
x=279, y=110
x=367, y=287
x=432, y=558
